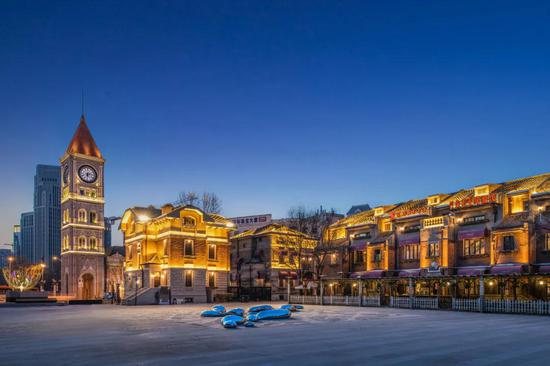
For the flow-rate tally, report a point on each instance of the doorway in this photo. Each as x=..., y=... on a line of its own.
x=87, y=287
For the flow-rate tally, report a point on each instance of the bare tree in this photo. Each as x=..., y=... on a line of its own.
x=209, y=202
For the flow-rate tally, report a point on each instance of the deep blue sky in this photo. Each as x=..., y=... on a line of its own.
x=272, y=104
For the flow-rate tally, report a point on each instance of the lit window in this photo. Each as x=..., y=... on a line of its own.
x=188, y=279
x=212, y=251
x=93, y=243
x=211, y=279
x=359, y=256
x=387, y=226
x=377, y=256
x=188, y=248
x=547, y=242
x=93, y=217
x=473, y=247
x=82, y=215
x=82, y=242
x=411, y=252
x=433, y=249
x=188, y=221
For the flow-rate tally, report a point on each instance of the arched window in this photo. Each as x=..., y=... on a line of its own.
x=188, y=221
x=93, y=217
x=81, y=242
x=93, y=243
x=82, y=215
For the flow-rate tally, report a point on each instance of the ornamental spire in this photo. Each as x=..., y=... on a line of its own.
x=83, y=142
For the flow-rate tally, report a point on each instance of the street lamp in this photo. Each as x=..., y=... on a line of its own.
x=42, y=265
x=10, y=260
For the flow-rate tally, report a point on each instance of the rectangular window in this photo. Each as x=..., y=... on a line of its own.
x=211, y=279
x=433, y=249
x=473, y=247
x=188, y=279
x=212, y=251
x=508, y=243
x=377, y=255
x=281, y=257
x=387, y=226
x=547, y=242
x=333, y=259
x=188, y=248
x=474, y=219
x=411, y=252
x=359, y=257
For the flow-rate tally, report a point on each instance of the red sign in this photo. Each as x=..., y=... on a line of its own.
x=412, y=212
x=473, y=201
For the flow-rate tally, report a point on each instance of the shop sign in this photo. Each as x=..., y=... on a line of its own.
x=413, y=212
x=473, y=201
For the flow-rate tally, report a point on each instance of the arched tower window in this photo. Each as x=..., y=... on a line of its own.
x=81, y=215
x=93, y=243
x=93, y=217
x=81, y=242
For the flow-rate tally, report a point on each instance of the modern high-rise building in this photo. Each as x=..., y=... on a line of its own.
x=107, y=238
x=47, y=216
x=27, y=236
x=17, y=240
x=83, y=224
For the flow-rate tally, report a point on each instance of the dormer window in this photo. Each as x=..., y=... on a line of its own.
x=188, y=221
x=434, y=200
x=378, y=211
x=481, y=191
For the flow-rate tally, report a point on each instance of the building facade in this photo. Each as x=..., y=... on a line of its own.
x=47, y=217
x=82, y=223
x=17, y=240
x=496, y=230
x=182, y=250
x=272, y=256
x=107, y=236
x=27, y=237
x=244, y=223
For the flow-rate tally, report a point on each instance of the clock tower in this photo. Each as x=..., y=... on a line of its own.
x=82, y=223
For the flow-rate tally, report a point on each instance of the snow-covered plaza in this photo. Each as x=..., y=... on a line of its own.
x=177, y=335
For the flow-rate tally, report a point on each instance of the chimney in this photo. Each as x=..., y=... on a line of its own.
x=167, y=208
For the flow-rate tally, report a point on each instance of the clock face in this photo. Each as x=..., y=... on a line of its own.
x=66, y=174
x=87, y=174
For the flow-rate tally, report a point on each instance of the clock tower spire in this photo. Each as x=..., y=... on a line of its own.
x=82, y=224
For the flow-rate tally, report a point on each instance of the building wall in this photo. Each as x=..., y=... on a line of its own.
x=27, y=236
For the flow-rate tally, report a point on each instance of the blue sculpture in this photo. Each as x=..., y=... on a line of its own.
x=257, y=309
x=211, y=313
x=236, y=311
x=274, y=314
x=231, y=321
x=299, y=307
x=249, y=324
x=289, y=307
x=252, y=317
x=219, y=308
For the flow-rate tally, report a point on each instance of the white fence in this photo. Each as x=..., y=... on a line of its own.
x=466, y=305
x=371, y=301
x=341, y=300
x=517, y=306
x=400, y=302
x=425, y=303
x=306, y=300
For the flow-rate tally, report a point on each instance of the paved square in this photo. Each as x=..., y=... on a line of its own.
x=177, y=335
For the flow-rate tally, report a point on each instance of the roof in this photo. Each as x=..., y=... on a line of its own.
x=523, y=184
x=381, y=238
x=358, y=219
x=358, y=208
x=116, y=249
x=83, y=142
x=512, y=221
x=271, y=229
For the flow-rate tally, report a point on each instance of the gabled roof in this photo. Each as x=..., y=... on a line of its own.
x=512, y=221
x=523, y=184
x=83, y=143
x=358, y=208
x=271, y=229
x=358, y=219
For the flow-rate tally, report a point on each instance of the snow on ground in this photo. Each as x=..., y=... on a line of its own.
x=166, y=335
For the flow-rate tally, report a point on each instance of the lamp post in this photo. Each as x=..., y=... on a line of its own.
x=43, y=265
x=55, y=282
x=10, y=260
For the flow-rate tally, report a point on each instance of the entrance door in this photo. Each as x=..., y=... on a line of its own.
x=88, y=287
x=156, y=280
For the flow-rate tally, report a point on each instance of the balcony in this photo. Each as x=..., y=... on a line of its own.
x=434, y=222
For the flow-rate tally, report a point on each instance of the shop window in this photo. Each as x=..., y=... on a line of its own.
x=212, y=251
x=411, y=228
x=547, y=242
x=508, y=243
x=188, y=279
x=188, y=248
x=362, y=236
x=411, y=252
x=433, y=249
x=473, y=247
x=359, y=256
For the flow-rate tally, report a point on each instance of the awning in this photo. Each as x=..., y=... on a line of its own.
x=286, y=274
x=360, y=244
x=507, y=269
x=409, y=238
x=283, y=274
x=409, y=273
x=471, y=271
x=544, y=269
x=368, y=274
x=472, y=232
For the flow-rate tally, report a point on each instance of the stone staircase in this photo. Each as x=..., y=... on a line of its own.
x=145, y=296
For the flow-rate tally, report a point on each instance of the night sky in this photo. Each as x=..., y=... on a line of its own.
x=271, y=104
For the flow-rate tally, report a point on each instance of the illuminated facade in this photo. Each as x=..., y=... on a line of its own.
x=82, y=225
x=182, y=249
x=500, y=229
x=271, y=256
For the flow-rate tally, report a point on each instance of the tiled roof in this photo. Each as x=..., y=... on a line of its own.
x=512, y=221
x=381, y=237
x=83, y=142
x=523, y=183
x=544, y=186
x=271, y=229
x=358, y=208
x=411, y=205
x=361, y=218
x=460, y=195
